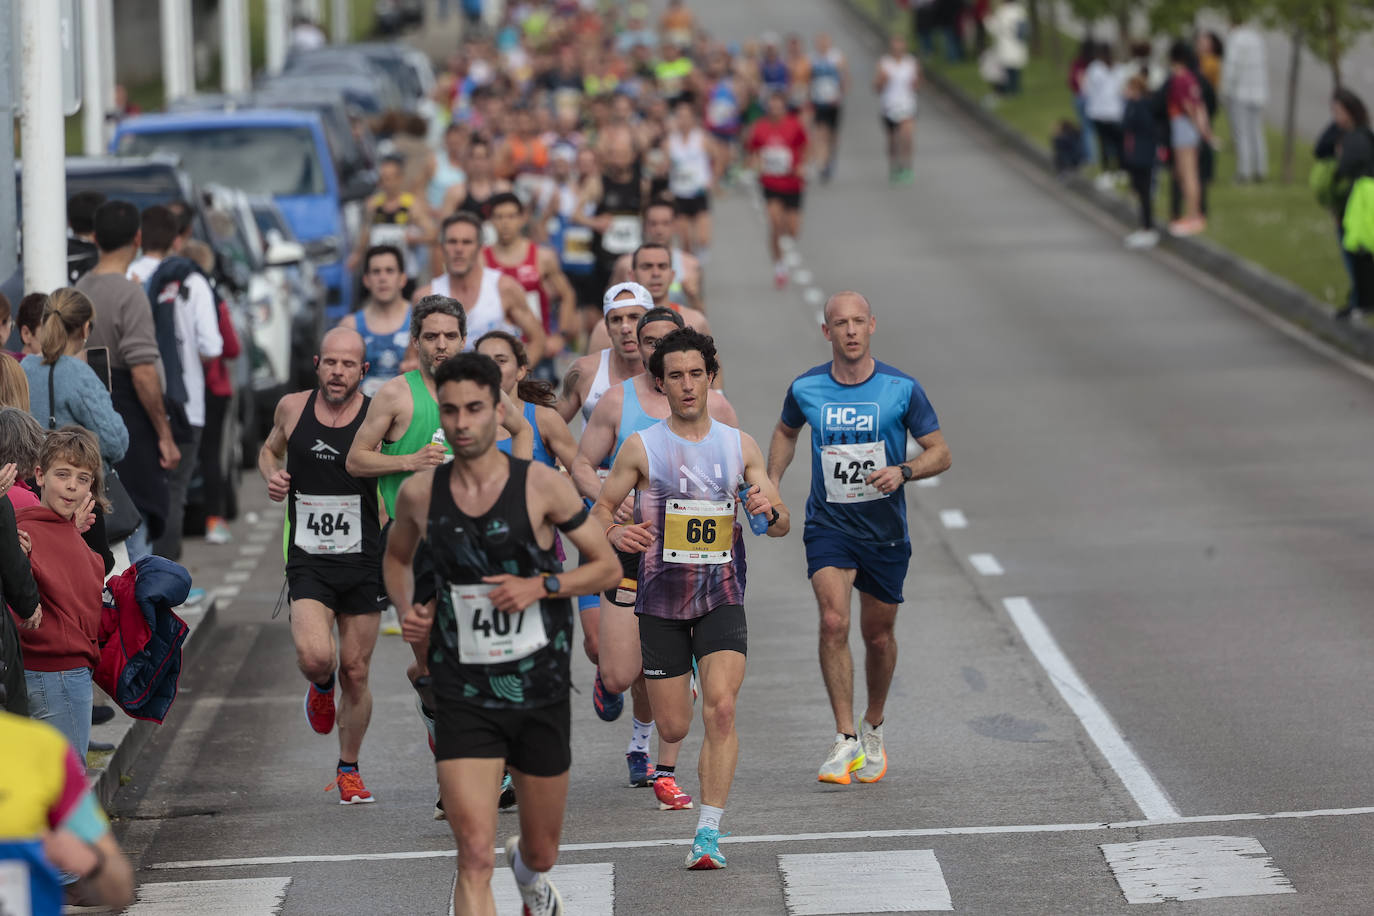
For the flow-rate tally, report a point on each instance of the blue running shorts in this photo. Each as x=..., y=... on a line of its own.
x=880, y=568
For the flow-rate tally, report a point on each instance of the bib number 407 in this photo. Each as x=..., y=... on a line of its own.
x=327, y=524
x=490, y=622
x=853, y=471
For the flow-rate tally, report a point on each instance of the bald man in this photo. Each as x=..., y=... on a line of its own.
x=333, y=554
x=860, y=412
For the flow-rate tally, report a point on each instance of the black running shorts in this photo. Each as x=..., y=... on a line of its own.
x=623, y=594
x=537, y=742
x=342, y=589
x=829, y=115
x=790, y=200
x=668, y=646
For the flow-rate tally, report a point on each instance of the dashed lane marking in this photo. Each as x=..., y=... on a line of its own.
x=953, y=518
x=250, y=550
x=986, y=564
x=584, y=888
x=894, y=881
x=229, y=897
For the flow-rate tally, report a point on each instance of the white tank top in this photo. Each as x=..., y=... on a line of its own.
x=600, y=384
x=690, y=172
x=487, y=313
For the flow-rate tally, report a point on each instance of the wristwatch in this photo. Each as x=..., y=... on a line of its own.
x=552, y=585
x=907, y=473
x=773, y=519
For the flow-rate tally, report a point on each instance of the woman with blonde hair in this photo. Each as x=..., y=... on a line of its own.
x=14, y=385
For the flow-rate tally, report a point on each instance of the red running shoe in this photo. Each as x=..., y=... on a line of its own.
x=670, y=797
x=319, y=709
x=351, y=788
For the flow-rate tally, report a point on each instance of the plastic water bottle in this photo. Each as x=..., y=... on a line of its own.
x=757, y=523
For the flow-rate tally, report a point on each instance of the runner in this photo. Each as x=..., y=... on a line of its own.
x=651, y=266
x=777, y=144
x=394, y=216
x=860, y=411
x=384, y=320
x=591, y=376
x=474, y=194
x=570, y=170
x=537, y=271
x=658, y=224
x=617, y=203
x=553, y=441
x=333, y=570
x=687, y=471
x=692, y=170
x=829, y=84
x=494, y=301
x=897, y=80
x=500, y=640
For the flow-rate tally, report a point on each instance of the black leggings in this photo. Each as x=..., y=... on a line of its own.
x=211, y=444
x=1142, y=183
x=1109, y=140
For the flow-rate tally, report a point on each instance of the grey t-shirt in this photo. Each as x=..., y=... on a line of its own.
x=123, y=321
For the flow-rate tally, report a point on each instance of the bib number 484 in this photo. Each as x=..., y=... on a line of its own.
x=326, y=524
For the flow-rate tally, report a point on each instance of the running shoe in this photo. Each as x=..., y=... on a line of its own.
x=351, y=788
x=670, y=797
x=705, y=854
x=540, y=898
x=641, y=769
x=845, y=757
x=875, y=756
x=507, y=799
x=427, y=717
x=391, y=623
x=780, y=277
x=439, y=809
x=607, y=705
x=217, y=532
x=319, y=709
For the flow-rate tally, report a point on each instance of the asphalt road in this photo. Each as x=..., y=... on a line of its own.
x=1179, y=492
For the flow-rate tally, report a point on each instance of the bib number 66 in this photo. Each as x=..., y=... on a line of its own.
x=701, y=530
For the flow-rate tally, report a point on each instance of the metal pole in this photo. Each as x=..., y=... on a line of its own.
x=340, y=29
x=9, y=249
x=276, y=26
x=173, y=85
x=92, y=74
x=45, y=177
x=188, y=46
x=107, y=51
x=233, y=45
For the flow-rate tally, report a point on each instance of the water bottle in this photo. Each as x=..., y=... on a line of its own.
x=757, y=523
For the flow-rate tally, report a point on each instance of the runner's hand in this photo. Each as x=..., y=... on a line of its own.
x=625, y=512
x=169, y=456
x=8, y=474
x=33, y=622
x=85, y=516
x=756, y=503
x=431, y=456
x=278, y=485
x=25, y=543
x=415, y=627
x=514, y=593
x=633, y=538
x=886, y=480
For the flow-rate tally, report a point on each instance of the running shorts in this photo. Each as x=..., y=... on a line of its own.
x=829, y=115
x=537, y=742
x=791, y=200
x=342, y=589
x=668, y=646
x=880, y=568
x=624, y=593
x=691, y=206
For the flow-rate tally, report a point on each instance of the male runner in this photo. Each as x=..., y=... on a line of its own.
x=777, y=147
x=651, y=266
x=384, y=319
x=491, y=300
x=619, y=203
x=332, y=561
x=624, y=410
x=536, y=269
x=591, y=376
x=500, y=642
x=829, y=83
x=690, y=603
x=685, y=288
x=394, y=216
x=860, y=411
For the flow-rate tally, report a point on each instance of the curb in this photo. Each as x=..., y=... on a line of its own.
x=1246, y=277
x=129, y=735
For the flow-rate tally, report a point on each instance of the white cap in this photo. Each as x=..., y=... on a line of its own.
x=642, y=297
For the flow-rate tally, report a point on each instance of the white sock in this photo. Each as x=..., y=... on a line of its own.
x=523, y=874
x=639, y=739
x=709, y=817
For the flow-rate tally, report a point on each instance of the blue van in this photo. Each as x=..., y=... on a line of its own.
x=281, y=153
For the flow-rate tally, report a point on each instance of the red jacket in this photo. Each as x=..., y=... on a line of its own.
x=217, y=379
x=70, y=579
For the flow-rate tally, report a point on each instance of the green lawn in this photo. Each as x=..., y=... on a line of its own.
x=1279, y=227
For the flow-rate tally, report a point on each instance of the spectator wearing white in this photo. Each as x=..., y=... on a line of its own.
x=1010, y=30
x=1104, y=105
x=1245, y=91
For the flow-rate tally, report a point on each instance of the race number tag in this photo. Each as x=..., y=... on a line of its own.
x=577, y=245
x=698, y=532
x=623, y=236
x=825, y=90
x=846, y=468
x=14, y=889
x=329, y=525
x=776, y=161
x=721, y=111
x=388, y=234
x=487, y=636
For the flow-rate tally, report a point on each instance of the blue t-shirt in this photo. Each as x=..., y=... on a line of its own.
x=848, y=423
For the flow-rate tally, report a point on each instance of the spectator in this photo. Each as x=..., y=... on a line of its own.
x=79, y=396
x=1009, y=29
x=14, y=386
x=19, y=592
x=1140, y=151
x=1210, y=52
x=21, y=440
x=1245, y=90
x=1087, y=53
x=1105, y=106
x=1067, y=146
x=1353, y=145
x=82, y=253
x=29, y=317
x=59, y=640
x=174, y=281
x=124, y=325
x=6, y=324
x=1189, y=128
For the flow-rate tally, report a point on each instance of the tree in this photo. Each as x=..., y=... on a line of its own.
x=1328, y=27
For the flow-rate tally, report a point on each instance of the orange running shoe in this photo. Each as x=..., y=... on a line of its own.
x=351, y=788
x=319, y=708
x=670, y=797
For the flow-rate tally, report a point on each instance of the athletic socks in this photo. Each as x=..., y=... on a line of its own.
x=326, y=686
x=639, y=740
x=852, y=737
x=660, y=771
x=523, y=874
x=709, y=817
x=345, y=765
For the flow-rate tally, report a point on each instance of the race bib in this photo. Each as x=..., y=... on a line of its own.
x=846, y=467
x=721, y=112
x=487, y=636
x=698, y=532
x=14, y=889
x=685, y=179
x=623, y=236
x=329, y=525
x=388, y=234
x=825, y=90
x=577, y=245
x=900, y=109
x=776, y=161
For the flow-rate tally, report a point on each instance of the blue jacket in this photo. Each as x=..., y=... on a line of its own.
x=140, y=637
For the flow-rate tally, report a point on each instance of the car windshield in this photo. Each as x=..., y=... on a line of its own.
x=269, y=220
x=281, y=161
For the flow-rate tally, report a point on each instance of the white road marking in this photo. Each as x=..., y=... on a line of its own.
x=584, y=888
x=847, y=836
x=814, y=295
x=986, y=564
x=227, y=591
x=261, y=536
x=801, y=276
x=1194, y=868
x=1138, y=780
x=897, y=881
x=238, y=577
x=245, y=563
x=249, y=550
x=227, y=897
x=792, y=258
x=953, y=518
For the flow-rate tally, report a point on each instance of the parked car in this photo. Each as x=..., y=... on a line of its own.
x=392, y=16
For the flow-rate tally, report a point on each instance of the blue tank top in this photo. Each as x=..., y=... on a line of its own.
x=722, y=109
x=632, y=416
x=384, y=352
x=540, y=453
x=826, y=81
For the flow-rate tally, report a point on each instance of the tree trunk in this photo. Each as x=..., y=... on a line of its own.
x=1123, y=29
x=1033, y=16
x=1333, y=43
x=1056, y=37
x=1290, y=114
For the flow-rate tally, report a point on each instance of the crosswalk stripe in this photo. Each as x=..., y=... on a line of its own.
x=896, y=881
x=584, y=888
x=227, y=897
x=1194, y=868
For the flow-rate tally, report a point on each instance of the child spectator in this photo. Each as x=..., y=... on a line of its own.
x=1140, y=150
x=1067, y=145
x=59, y=640
x=29, y=318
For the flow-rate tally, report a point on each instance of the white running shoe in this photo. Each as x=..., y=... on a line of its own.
x=875, y=757
x=845, y=757
x=391, y=623
x=1142, y=239
x=540, y=898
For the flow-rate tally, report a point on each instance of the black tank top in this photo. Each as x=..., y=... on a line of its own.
x=332, y=514
x=618, y=198
x=480, y=208
x=478, y=655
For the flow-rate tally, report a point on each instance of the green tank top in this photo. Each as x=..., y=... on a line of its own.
x=423, y=429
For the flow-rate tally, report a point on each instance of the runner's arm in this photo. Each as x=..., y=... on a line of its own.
x=571, y=400
x=364, y=459
x=781, y=450
x=518, y=313
x=629, y=471
x=558, y=439
x=556, y=285
x=398, y=573
x=763, y=493
x=934, y=459
x=425, y=222
x=521, y=433
x=272, y=455
x=598, y=438
x=355, y=257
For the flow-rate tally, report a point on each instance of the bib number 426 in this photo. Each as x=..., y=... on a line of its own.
x=853, y=471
